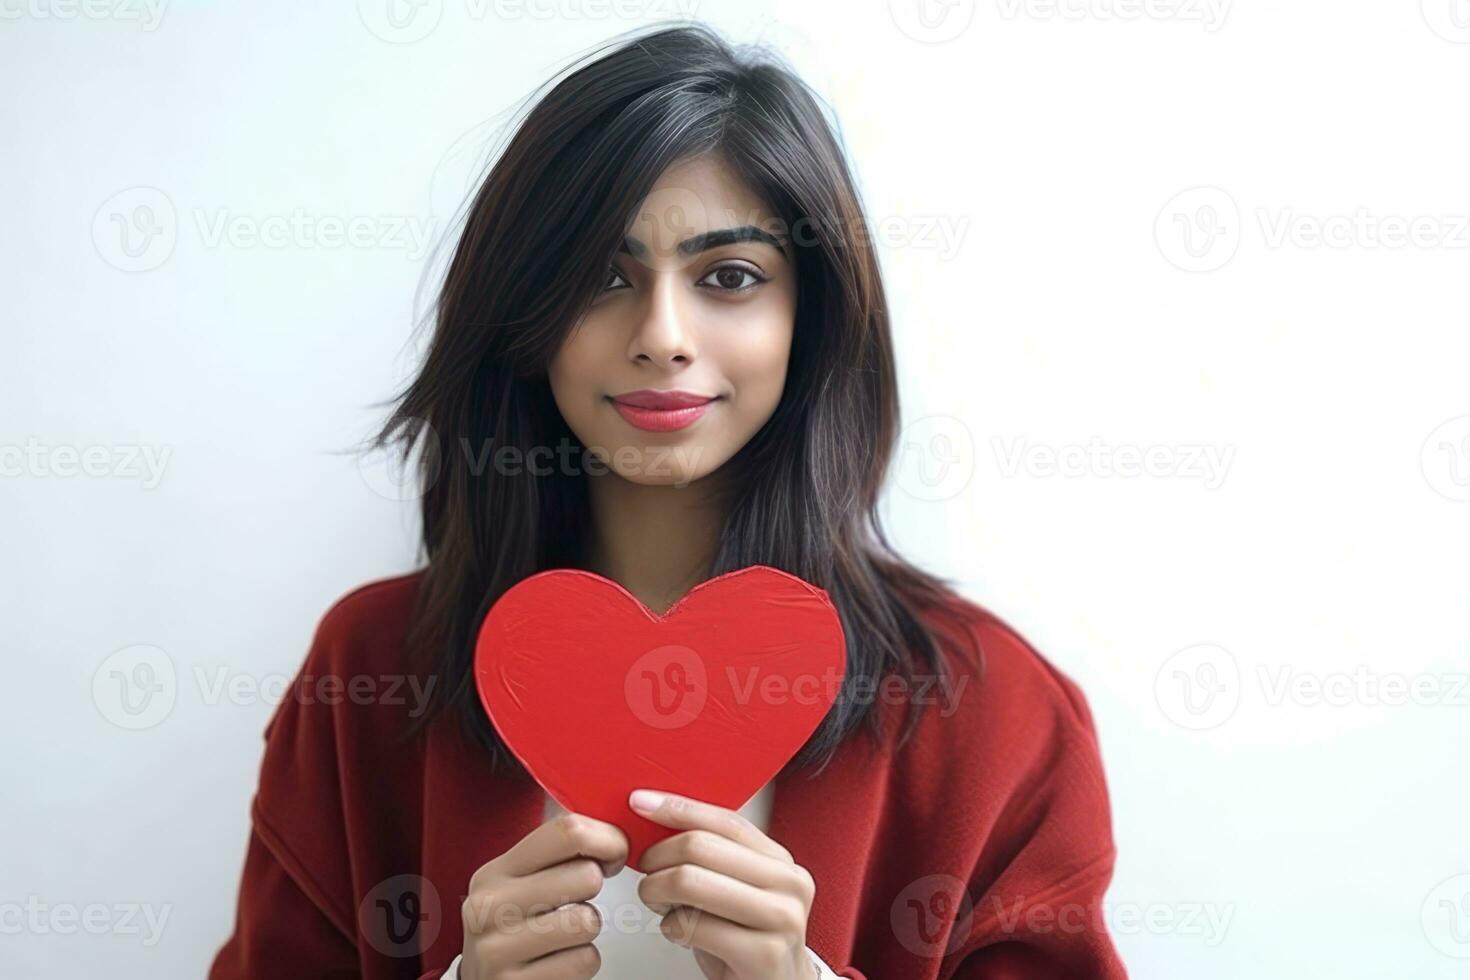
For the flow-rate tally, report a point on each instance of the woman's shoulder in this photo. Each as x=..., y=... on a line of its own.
x=1012, y=742
x=372, y=612
x=1009, y=666
x=332, y=745
x=999, y=689
x=355, y=666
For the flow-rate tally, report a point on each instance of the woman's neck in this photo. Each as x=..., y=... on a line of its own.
x=657, y=542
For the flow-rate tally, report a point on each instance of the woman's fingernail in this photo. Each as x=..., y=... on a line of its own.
x=645, y=800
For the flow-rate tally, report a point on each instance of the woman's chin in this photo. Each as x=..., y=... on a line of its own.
x=677, y=465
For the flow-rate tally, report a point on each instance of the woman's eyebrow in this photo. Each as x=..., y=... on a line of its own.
x=727, y=236
x=705, y=241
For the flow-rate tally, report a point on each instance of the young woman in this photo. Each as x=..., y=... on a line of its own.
x=662, y=353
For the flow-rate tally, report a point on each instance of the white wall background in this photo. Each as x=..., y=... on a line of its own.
x=1239, y=615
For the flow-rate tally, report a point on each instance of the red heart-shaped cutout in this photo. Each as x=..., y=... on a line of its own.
x=598, y=696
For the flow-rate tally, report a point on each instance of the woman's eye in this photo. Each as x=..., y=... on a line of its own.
x=732, y=279
x=613, y=278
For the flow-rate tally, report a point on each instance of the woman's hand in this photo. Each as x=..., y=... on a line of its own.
x=531, y=903
x=727, y=891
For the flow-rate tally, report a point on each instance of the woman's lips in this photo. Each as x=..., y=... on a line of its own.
x=661, y=411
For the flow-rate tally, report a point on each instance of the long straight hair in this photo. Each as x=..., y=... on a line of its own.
x=538, y=239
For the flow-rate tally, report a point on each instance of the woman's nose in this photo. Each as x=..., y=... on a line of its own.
x=666, y=332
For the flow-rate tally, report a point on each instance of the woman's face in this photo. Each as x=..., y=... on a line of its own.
x=682, y=357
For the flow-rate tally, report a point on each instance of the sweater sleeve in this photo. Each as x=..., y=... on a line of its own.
x=1054, y=932
x=297, y=912
x=279, y=930
x=1036, y=909
x=293, y=915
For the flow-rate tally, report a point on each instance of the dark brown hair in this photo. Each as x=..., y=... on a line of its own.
x=537, y=242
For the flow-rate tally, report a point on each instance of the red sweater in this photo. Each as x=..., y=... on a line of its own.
x=980, y=849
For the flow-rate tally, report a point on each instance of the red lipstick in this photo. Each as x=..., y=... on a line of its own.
x=661, y=411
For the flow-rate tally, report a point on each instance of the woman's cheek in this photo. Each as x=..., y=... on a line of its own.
x=754, y=358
